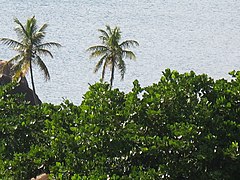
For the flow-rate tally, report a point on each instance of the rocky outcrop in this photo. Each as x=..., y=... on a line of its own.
x=21, y=88
x=6, y=77
x=5, y=68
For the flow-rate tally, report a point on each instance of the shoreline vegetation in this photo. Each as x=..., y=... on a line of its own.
x=186, y=126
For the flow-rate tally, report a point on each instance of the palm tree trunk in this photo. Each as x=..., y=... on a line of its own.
x=112, y=75
x=33, y=86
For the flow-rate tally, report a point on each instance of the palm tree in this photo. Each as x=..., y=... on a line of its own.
x=112, y=52
x=30, y=48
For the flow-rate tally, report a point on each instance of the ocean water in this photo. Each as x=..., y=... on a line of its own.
x=198, y=35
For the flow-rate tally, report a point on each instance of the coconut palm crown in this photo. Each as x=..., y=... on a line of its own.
x=112, y=52
x=30, y=48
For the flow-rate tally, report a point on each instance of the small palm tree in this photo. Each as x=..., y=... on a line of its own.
x=112, y=52
x=30, y=48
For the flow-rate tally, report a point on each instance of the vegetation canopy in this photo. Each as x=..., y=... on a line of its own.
x=186, y=126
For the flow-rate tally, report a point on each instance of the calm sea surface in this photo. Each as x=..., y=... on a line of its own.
x=184, y=35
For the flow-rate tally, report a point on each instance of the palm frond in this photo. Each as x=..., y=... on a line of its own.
x=96, y=54
x=38, y=61
x=109, y=30
x=25, y=68
x=104, y=33
x=17, y=75
x=37, y=38
x=98, y=50
x=122, y=67
x=15, y=58
x=20, y=69
x=128, y=44
x=20, y=25
x=28, y=29
x=49, y=45
x=20, y=32
x=44, y=52
x=31, y=27
x=11, y=43
x=128, y=54
x=103, y=38
x=43, y=28
x=116, y=34
x=99, y=64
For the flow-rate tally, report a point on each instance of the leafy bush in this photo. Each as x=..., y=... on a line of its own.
x=186, y=126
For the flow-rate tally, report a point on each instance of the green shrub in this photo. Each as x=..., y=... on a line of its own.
x=186, y=126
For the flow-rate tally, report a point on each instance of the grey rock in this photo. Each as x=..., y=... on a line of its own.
x=22, y=87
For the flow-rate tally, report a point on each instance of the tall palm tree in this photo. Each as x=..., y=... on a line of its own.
x=30, y=48
x=112, y=52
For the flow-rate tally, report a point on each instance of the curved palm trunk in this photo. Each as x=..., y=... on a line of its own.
x=112, y=75
x=33, y=86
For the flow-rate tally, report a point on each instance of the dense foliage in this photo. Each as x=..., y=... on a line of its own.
x=186, y=126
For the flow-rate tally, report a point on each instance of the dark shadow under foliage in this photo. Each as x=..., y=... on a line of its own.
x=186, y=126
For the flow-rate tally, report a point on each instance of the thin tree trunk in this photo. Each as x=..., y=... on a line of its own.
x=112, y=75
x=33, y=86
